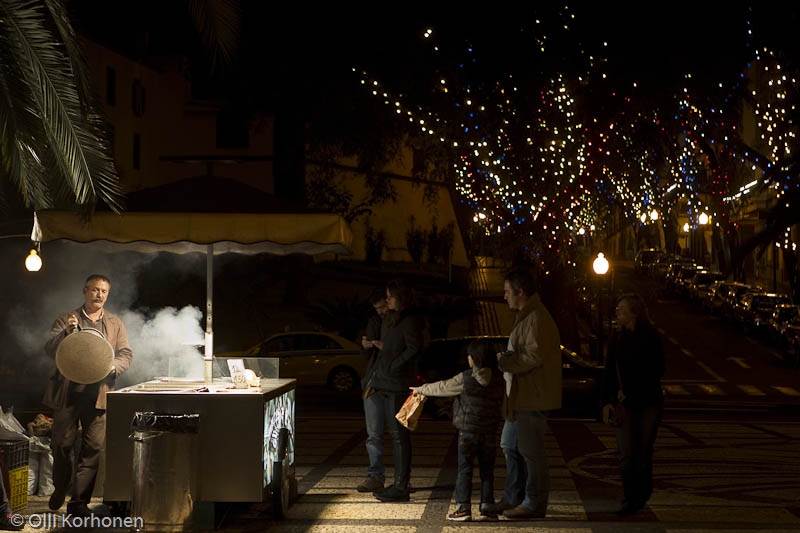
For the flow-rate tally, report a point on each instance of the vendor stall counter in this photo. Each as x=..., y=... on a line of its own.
x=236, y=455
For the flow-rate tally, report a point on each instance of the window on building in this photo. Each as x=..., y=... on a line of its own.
x=137, y=98
x=111, y=86
x=136, y=159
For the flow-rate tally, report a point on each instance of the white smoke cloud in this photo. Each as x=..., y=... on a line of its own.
x=164, y=345
x=163, y=340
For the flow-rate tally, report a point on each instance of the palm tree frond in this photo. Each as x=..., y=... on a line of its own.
x=218, y=25
x=67, y=37
x=69, y=143
x=20, y=127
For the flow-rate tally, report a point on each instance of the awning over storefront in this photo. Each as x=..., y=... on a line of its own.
x=148, y=232
x=209, y=233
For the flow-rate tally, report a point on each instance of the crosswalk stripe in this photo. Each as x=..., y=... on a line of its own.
x=711, y=389
x=752, y=390
x=676, y=390
x=788, y=391
x=716, y=390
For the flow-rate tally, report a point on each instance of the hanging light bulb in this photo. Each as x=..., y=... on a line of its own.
x=34, y=261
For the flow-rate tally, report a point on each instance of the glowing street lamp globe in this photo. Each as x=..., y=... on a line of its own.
x=600, y=264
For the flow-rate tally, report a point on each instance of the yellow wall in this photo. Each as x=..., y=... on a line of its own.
x=394, y=219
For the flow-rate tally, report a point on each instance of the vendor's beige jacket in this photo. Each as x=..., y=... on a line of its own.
x=534, y=365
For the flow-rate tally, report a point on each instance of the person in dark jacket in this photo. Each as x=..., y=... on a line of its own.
x=402, y=341
x=634, y=368
x=369, y=349
x=477, y=412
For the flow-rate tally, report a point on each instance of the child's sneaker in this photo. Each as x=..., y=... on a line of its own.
x=487, y=512
x=462, y=514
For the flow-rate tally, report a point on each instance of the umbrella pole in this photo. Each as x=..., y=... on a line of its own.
x=209, y=338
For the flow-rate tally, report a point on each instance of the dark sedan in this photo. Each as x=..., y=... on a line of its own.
x=581, y=386
x=791, y=342
x=754, y=310
x=782, y=316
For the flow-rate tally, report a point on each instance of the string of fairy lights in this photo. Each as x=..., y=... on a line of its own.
x=563, y=174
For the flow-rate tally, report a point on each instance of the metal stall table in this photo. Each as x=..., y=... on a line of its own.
x=244, y=449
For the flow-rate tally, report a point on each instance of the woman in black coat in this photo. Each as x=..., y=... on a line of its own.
x=402, y=341
x=634, y=368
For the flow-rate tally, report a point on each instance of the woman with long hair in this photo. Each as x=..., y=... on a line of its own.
x=402, y=341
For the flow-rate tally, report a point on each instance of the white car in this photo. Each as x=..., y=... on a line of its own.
x=312, y=358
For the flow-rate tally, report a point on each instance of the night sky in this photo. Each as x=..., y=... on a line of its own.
x=309, y=49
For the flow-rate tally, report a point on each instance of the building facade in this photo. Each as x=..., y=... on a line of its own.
x=162, y=135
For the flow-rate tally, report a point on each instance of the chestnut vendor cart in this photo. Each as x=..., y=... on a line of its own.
x=174, y=448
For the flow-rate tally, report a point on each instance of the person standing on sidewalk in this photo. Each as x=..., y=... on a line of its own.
x=369, y=349
x=479, y=392
x=635, y=366
x=532, y=370
x=402, y=341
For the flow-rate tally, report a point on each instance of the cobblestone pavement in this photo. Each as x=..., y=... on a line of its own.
x=709, y=476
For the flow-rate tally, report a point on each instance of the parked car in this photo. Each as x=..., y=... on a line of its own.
x=716, y=297
x=671, y=276
x=702, y=283
x=658, y=268
x=680, y=282
x=311, y=357
x=754, y=310
x=582, y=380
x=782, y=316
x=733, y=297
x=790, y=340
x=644, y=257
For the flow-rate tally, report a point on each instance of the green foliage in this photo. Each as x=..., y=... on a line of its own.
x=433, y=245
x=415, y=240
x=440, y=243
x=326, y=190
x=375, y=244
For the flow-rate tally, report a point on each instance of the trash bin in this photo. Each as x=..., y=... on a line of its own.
x=164, y=449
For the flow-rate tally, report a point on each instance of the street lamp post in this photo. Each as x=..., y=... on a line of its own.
x=601, y=266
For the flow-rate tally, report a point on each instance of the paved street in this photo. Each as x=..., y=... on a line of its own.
x=709, y=475
x=736, y=469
